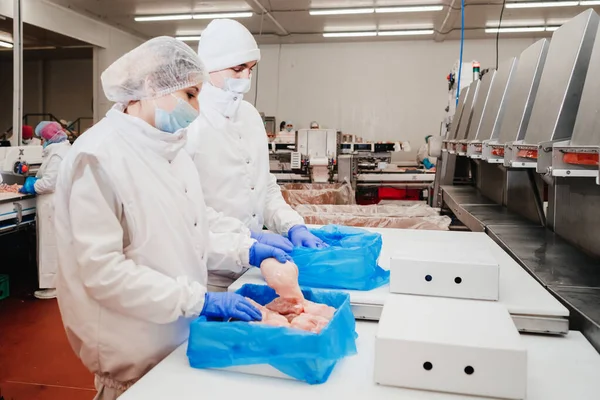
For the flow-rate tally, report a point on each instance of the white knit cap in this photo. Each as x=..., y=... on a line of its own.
x=226, y=43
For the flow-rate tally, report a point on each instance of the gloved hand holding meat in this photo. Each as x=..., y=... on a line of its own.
x=290, y=309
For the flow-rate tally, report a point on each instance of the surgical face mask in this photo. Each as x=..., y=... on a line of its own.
x=181, y=117
x=237, y=85
x=288, y=129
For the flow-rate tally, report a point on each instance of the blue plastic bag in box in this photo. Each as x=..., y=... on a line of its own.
x=305, y=356
x=350, y=261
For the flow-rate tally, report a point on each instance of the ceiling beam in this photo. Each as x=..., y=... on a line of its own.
x=265, y=12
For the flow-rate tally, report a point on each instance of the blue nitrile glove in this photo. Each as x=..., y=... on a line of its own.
x=260, y=252
x=301, y=237
x=28, y=187
x=274, y=240
x=428, y=164
x=229, y=305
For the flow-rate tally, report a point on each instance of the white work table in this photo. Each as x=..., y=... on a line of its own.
x=559, y=368
x=531, y=306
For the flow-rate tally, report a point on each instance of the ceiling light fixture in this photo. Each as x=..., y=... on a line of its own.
x=407, y=32
x=408, y=9
x=541, y=4
x=149, y=18
x=244, y=14
x=590, y=3
x=552, y=28
x=516, y=29
x=188, y=38
x=348, y=34
x=181, y=17
x=6, y=44
x=341, y=11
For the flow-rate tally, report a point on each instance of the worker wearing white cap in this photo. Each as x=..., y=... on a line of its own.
x=134, y=236
x=229, y=145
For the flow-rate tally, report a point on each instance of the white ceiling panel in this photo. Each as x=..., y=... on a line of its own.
x=294, y=17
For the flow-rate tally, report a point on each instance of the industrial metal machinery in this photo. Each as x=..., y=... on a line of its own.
x=17, y=210
x=325, y=155
x=530, y=176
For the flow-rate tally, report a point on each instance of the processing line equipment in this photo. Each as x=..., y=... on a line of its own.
x=530, y=177
x=17, y=210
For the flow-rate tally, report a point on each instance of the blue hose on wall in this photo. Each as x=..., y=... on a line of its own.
x=462, y=43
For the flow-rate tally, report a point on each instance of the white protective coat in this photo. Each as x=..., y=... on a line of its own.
x=52, y=157
x=229, y=146
x=134, y=243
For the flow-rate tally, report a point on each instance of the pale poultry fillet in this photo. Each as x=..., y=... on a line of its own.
x=283, y=278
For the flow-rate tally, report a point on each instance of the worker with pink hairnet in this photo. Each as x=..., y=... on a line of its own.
x=56, y=146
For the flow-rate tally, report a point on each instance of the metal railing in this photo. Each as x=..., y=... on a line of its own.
x=33, y=119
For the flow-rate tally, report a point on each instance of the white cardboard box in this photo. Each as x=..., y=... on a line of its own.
x=461, y=271
x=450, y=345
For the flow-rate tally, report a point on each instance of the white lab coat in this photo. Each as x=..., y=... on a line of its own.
x=134, y=242
x=52, y=156
x=229, y=147
x=422, y=153
x=32, y=142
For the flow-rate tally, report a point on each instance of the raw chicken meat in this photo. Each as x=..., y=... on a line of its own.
x=269, y=317
x=321, y=310
x=282, y=277
x=5, y=188
x=310, y=323
x=289, y=308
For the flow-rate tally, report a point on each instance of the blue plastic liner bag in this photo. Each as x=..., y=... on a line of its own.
x=302, y=355
x=350, y=261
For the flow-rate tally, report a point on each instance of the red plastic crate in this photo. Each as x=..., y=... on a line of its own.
x=388, y=193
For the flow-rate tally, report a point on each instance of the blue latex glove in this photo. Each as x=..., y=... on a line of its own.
x=301, y=237
x=28, y=187
x=428, y=164
x=260, y=252
x=229, y=305
x=274, y=240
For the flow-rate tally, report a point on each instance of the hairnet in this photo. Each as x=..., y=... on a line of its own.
x=51, y=132
x=226, y=43
x=156, y=68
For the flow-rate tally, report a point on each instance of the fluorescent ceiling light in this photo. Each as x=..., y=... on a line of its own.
x=408, y=9
x=342, y=11
x=178, y=17
x=348, y=34
x=590, y=3
x=407, y=32
x=551, y=28
x=223, y=15
x=539, y=4
x=188, y=38
x=6, y=44
x=516, y=29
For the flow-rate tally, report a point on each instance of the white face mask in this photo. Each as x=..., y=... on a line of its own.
x=237, y=85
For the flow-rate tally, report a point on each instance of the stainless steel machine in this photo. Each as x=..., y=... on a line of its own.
x=17, y=210
x=532, y=172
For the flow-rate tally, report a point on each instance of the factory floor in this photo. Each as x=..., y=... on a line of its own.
x=36, y=361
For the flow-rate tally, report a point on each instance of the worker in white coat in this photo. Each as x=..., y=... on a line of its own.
x=55, y=149
x=134, y=235
x=229, y=145
x=28, y=138
x=423, y=157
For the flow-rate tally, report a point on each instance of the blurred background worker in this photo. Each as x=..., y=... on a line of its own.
x=56, y=147
x=287, y=133
x=134, y=236
x=28, y=138
x=228, y=144
x=423, y=157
